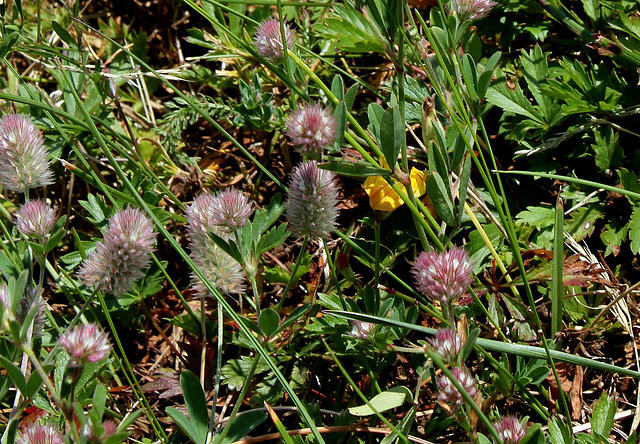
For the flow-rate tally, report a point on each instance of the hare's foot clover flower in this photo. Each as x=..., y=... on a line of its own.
x=444, y=276
x=312, y=208
x=123, y=256
x=448, y=392
x=220, y=269
x=39, y=433
x=447, y=344
x=23, y=156
x=268, y=40
x=36, y=218
x=231, y=209
x=510, y=429
x=471, y=9
x=361, y=330
x=85, y=344
x=311, y=128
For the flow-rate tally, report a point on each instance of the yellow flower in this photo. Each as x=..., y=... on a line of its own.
x=383, y=198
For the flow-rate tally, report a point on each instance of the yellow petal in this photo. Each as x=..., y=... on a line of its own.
x=383, y=198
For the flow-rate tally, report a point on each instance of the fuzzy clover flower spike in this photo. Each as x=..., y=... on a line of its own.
x=36, y=218
x=510, y=429
x=268, y=40
x=85, y=344
x=470, y=9
x=447, y=344
x=24, y=159
x=124, y=254
x=449, y=394
x=444, y=276
x=311, y=128
x=312, y=207
x=231, y=210
x=39, y=433
x=203, y=215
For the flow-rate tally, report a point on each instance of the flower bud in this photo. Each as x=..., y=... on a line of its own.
x=361, y=330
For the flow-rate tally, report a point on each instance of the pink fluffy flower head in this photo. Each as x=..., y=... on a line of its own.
x=23, y=156
x=97, y=434
x=471, y=9
x=361, y=330
x=510, y=429
x=443, y=276
x=39, y=433
x=447, y=344
x=448, y=392
x=36, y=218
x=123, y=256
x=268, y=40
x=312, y=208
x=220, y=269
x=85, y=344
x=311, y=128
x=231, y=209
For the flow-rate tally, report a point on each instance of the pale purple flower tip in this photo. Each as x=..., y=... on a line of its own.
x=85, y=344
x=448, y=392
x=220, y=269
x=311, y=128
x=100, y=433
x=231, y=209
x=36, y=218
x=443, y=276
x=23, y=156
x=38, y=433
x=268, y=40
x=510, y=429
x=447, y=344
x=5, y=300
x=312, y=208
x=123, y=256
x=361, y=330
x=471, y=9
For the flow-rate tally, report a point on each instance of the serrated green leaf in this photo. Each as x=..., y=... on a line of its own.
x=539, y=217
x=604, y=412
x=513, y=100
x=387, y=400
x=634, y=231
